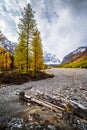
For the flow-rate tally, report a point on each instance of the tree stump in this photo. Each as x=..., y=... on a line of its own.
x=68, y=115
x=21, y=95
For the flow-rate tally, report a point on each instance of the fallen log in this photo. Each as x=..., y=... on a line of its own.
x=47, y=104
x=57, y=104
x=78, y=109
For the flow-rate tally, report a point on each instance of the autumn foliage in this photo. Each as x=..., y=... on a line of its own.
x=28, y=54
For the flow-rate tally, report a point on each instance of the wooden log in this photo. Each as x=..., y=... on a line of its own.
x=57, y=105
x=52, y=99
x=47, y=104
x=43, y=103
x=77, y=109
x=22, y=97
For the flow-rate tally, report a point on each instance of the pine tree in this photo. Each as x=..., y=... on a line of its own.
x=2, y=58
x=5, y=59
x=37, y=53
x=12, y=62
x=20, y=53
x=27, y=26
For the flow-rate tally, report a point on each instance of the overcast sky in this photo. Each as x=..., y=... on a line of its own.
x=62, y=23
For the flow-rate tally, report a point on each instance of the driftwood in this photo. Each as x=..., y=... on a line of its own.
x=77, y=109
x=59, y=105
x=44, y=103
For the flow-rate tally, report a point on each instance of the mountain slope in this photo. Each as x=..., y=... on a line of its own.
x=76, y=59
x=8, y=45
x=76, y=54
x=50, y=59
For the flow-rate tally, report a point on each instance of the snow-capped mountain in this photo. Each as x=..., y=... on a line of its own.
x=8, y=45
x=50, y=59
x=78, y=53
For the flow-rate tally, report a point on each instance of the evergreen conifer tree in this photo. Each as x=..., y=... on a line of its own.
x=37, y=52
x=27, y=26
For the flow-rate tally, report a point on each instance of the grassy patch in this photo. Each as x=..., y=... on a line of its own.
x=75, y=64
x=20, y=78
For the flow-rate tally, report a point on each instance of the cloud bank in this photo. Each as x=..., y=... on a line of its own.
x=62, y=23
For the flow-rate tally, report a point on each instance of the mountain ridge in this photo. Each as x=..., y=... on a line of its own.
x=75, y=54
x=51, y=59
x=75, y=59
x=8, y=45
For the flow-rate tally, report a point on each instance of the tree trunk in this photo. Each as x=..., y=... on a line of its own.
x=70, y=107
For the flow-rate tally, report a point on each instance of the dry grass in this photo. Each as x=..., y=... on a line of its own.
x=20, y=78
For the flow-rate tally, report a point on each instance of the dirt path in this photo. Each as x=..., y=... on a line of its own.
x=67, y=83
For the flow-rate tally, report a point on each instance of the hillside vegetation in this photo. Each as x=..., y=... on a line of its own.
x=75, y=64
x=78, y=60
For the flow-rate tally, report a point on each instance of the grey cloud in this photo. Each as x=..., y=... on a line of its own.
x=62, y=23
x=50, y=12
x=46, y=8
x=77, y=7
x=69, y=29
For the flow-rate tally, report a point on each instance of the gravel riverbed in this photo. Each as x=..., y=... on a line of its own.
x=67, y=83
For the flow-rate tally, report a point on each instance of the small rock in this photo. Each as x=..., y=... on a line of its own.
x=28, y=104
x=51, y=127
x=16, y=123
x=30, y=118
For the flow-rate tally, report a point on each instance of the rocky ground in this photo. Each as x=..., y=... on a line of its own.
x=67, y=83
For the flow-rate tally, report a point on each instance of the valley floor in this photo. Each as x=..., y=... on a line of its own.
x=67, y=83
